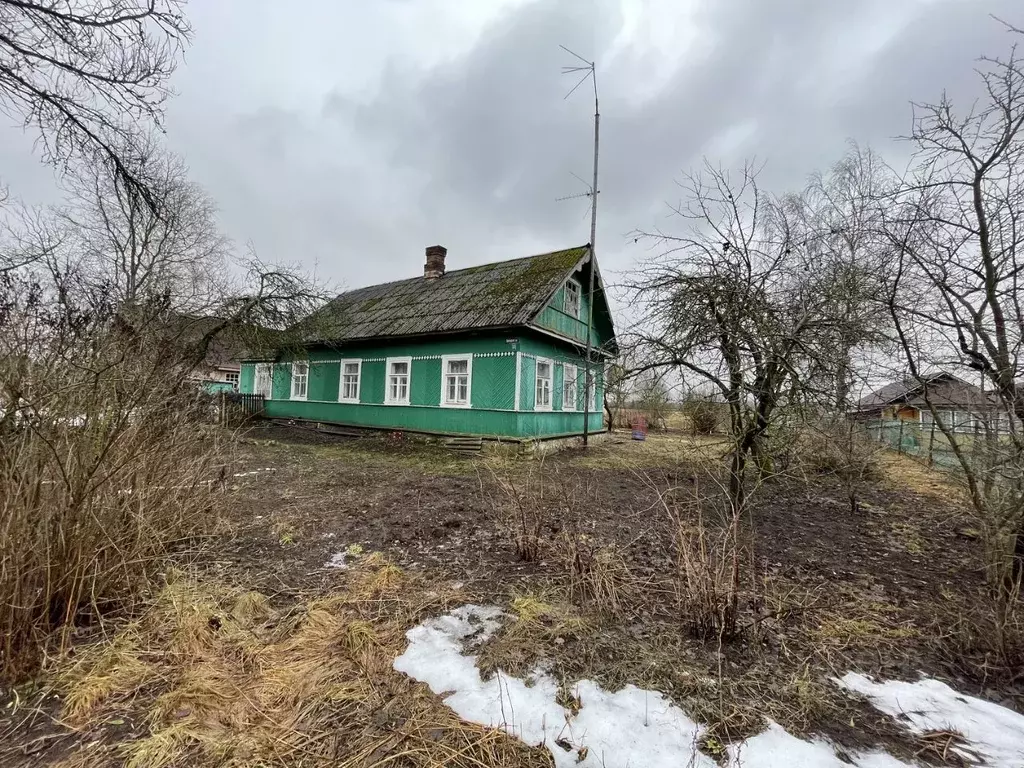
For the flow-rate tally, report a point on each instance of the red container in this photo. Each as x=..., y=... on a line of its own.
x=639, y=428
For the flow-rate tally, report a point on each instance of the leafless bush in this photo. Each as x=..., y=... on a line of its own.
x=103, y=469
x=710, y=562
x=520, y=507
x=597, y=572
x=704, y=415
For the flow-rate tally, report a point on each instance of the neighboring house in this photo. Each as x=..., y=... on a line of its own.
x=962, y=406
x=496, y=351
x=221, y=368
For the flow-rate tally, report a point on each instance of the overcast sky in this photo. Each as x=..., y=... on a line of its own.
x=349, y=135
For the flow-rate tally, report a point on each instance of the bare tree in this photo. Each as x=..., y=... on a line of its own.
x=956, y=236
x=738, y=302
x=838, y=218
x=85, y=74
x=135, y=249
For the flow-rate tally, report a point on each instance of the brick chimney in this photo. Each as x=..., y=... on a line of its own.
x=434, y=266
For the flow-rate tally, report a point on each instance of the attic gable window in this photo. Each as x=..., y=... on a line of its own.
x=571, y=298
x=349, y=389
x=456, y=380
x=300, y=380
x=398, y=380
x=543, y=398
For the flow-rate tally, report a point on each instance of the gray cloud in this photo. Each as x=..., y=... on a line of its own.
x=350, y=136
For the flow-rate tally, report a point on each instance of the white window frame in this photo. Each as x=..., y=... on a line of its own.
x=234, y=378
x=579, y=298
x=268, y=370
x=537, y=406
x=445, y=359
x=591, y=391
x=341, y=380
x=388, y=362
x=296, y=375
x=572, y=405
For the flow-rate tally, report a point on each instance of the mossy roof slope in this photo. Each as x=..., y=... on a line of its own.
x=503, y=294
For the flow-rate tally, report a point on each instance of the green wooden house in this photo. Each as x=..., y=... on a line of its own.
x=496, y=351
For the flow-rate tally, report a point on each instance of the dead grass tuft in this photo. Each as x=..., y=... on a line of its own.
x=224, y=679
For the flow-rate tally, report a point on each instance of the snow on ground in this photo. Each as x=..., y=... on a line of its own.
x=993, y=733
x=634, y=727
x=777, y=748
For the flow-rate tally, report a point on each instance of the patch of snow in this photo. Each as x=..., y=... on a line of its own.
x=616, y=729
x=337, y=560
x=252, y=472
x=634, y=727
x=994, y=733
x=777, y=748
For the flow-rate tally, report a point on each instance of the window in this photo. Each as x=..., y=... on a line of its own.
x=591, y=392
x=571, y=300
x=455, y=380
x=964, y=421
x=300, y=380
x=231, y=377
x=349, y=385
x=398, y=381
x=568, y=387
x=263, y=380
x=543, y=400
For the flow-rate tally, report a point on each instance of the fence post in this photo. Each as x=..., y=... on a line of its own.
x=900, y=438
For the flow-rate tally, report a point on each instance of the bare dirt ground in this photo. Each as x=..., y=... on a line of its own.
x=883, y=589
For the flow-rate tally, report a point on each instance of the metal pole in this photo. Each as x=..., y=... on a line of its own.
x=589, y=380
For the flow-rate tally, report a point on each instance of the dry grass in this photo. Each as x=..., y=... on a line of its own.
x=222, y=678
x=908, y=473
x=658, y=450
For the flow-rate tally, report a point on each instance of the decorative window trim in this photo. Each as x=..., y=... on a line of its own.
x=519, y=379
x=579, y=298
x=445, y=359
x=573, y=402
x=296, y=375
x=388, y=362
x=268, y=369
x=536, y=383
x=589, y=392
x=341, y=380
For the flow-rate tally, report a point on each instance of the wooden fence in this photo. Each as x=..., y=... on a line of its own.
x=236, y=407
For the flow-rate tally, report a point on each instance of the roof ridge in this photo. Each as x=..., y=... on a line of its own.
x=476, y=267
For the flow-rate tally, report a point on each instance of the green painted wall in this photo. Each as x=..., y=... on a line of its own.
x=528, y=384
x=245, y=380
x=492, y=389
x=554, y=317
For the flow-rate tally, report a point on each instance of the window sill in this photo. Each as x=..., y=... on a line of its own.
x=456, y=405
x=349, y=400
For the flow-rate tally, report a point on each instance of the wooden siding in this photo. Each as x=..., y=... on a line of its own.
x=492, y=390
x=554, y=317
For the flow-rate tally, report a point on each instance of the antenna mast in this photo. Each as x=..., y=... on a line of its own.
x=589, y=71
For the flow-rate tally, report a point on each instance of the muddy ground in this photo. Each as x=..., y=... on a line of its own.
x=888, y=586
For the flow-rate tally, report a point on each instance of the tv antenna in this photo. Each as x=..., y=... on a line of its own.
x=589, y=72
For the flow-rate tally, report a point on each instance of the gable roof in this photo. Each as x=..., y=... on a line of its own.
x=910, y=391
x=499, y=295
